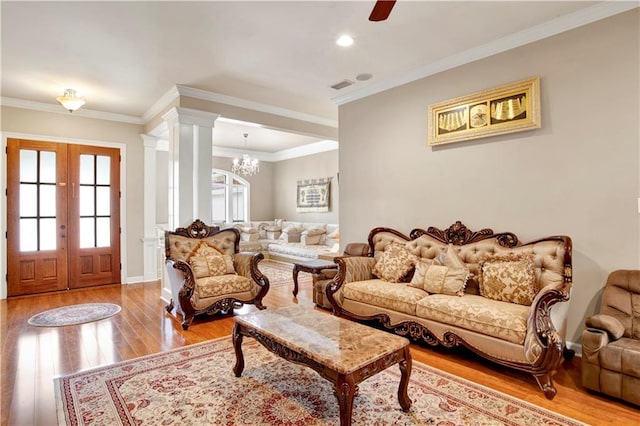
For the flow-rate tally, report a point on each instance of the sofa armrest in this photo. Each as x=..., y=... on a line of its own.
x=350, y=269
x=246, y=264
x=543, y=343
x=611, y=325
x=592, y=341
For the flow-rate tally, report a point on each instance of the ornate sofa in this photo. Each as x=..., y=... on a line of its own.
x=289, y=241
x=611, y=342
x=208, y=274
x=504, y=300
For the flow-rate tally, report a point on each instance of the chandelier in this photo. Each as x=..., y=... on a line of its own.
x=245, y=166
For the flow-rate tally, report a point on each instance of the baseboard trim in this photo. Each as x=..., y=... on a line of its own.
x=577, y=347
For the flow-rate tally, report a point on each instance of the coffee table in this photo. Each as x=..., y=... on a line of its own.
x=342, y=351
x=310, y=266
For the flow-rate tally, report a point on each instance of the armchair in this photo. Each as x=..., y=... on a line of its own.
x=208, y=274
x=611, y=342
x=321, y=280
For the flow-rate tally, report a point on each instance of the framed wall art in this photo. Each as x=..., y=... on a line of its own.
x=510, y=108
x=313, y=195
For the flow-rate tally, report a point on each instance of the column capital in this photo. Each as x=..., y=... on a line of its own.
x=191, y=116
x=149, y=141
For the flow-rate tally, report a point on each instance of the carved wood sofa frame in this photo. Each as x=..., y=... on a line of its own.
x=245, y=264
x=552, y=345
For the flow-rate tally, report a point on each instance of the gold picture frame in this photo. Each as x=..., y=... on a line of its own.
x=510, y=108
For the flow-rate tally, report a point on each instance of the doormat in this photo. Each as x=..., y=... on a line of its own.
x=195, y=385
x=74, y=314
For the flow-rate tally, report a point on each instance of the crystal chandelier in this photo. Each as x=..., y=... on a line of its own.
x=245, y=166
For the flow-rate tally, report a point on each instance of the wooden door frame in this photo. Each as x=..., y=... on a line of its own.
x=3, y=199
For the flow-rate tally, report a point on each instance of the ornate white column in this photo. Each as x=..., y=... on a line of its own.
x=190, y=134
x=150, y=238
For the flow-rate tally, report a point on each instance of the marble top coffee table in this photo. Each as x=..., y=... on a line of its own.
x=342, y=351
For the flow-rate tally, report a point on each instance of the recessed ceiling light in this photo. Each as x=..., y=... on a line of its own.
x=364, y=76
x=344, y=40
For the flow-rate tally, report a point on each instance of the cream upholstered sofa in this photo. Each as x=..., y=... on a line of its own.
x=288, y=240
x=207, y=273
x=611, y=342
x=509, y=306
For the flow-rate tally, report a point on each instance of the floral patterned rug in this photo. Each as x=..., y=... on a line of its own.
x=74, y=314
x=280, y=274
x=195, y=385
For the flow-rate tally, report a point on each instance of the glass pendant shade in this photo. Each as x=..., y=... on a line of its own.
x=70, y=100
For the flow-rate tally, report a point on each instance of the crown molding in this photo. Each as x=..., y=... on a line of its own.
x=58, y=109
x=159, y=105
x=538, y=32
x=286, y=154
x=191, y=116
x=255, y=106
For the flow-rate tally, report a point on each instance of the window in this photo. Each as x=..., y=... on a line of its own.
x=229, y=197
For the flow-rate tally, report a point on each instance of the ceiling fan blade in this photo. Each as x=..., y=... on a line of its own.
x=381, y=10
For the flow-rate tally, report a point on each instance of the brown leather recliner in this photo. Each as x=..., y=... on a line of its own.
x=325, y=276
x=611, y=342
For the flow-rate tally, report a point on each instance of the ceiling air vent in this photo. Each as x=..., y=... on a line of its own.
x=342, y=84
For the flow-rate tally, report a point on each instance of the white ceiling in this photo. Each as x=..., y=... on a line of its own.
x=124, y=56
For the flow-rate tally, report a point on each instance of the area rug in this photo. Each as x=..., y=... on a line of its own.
x=280, y=274
x=74, y=314
x=195, y=385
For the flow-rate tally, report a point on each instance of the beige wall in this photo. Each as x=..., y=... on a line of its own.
x=261, y=187
x=79, y=129
x=578, y=175
x=286, y=175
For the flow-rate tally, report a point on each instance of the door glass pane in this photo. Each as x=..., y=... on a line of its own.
x=47, y=166
x=104, y=232
x=47, y=234
x=103, y=205
x=87, y=232
x=28, y=165
x=28, y=200
x=48, y=200
x=103, y=170
x=87, y=206
x=28, y=235
x=86, y=169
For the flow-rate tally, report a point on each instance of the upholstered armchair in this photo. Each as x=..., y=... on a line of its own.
x=325, y=276
x=208, y=275
x=611, y=342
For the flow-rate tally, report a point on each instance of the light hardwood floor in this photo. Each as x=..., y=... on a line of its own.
x=32, y=356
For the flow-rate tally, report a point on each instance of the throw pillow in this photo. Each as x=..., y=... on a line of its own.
x=314, y=231
x=310, y=239
x=422, y=266
x=202, y=248
x=509, y=278
x=211, y=266
x=434, y=279
x=457, y=274
x=394, y=263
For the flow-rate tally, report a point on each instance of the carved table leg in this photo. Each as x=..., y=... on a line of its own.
x=405, y=370
x=296, y=271
x=345, y=391
x=237, y=346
